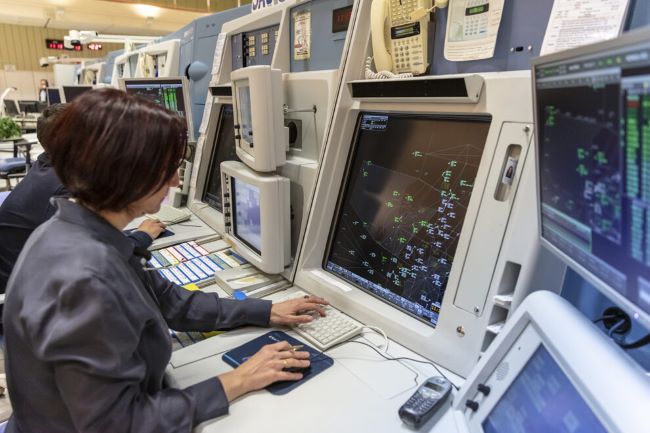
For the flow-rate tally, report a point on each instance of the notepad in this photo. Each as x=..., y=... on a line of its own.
x=319, y=361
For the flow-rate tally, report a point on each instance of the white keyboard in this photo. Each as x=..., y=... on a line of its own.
x=171, y=215
x=325, y=332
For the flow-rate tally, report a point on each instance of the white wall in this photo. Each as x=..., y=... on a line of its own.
x=27, y=83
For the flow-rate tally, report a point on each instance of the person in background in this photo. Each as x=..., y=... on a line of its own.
x=29, y=205
x=42, y=91
x=86, y=324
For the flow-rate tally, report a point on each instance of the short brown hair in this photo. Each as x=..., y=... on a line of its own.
x=111, y=149
x=47, y=116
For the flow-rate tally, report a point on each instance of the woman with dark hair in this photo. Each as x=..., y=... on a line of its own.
x=86, y=327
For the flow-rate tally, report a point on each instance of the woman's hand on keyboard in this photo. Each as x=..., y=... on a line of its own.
x=295, y=311
x=267, y=366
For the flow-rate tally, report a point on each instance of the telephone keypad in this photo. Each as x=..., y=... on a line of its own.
x=408, y=55
x=475, y=25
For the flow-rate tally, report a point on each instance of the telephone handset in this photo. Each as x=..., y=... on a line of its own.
x=399, y=44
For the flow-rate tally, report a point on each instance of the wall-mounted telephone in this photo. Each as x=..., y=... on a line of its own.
x=469, y=19
x=399, y=44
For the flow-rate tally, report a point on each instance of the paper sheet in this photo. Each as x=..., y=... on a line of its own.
x=218, y=52
x=472, y=29
x=206, y=113
x=301, y=35
x=578, y=22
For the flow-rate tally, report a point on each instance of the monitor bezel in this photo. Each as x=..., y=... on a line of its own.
x=275, y=215
x=124, y=81
x=628, y=40
x=479, y=117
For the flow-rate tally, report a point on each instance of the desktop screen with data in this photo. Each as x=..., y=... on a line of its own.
x=247, y=214
x=165, y=93
x=223, y=149
x=408, y=185
x=542, y=399
x=593, y=117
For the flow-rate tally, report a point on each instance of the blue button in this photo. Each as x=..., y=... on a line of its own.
x=239, y=295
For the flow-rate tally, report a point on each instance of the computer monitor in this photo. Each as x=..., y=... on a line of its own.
x=258, y=107
x=223, y=149
x=552, y=370
x=256, y=210
x=28, y=106
x=592, y=112
x=72, y=92
x=170, y=93
x=11, y=107
x=402, y=206
x=53, y=96
x=541, y=398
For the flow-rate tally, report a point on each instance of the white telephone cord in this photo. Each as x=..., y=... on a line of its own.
x=382, y=75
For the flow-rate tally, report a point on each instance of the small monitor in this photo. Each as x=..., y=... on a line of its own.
x=223, y=149
x=541, y=399
x=592, y=111
x=11, y=107
x=28, y=106
x=53, y=96
x=402, y=207
x=258, y=107
x=72, y=92
x=256, y=210
x=170, y=93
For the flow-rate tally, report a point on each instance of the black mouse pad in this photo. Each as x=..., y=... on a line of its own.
x=319, y=361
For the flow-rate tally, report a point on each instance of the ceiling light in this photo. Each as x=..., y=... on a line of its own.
x=147, y=11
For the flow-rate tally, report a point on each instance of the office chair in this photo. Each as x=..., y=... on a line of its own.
x=12, y=168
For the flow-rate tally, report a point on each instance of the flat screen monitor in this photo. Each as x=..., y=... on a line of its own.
x=53, y=96
x=72, y=92
x=592, y=113
x=223, y=149
x=11, y=109
x=408, y=184
x=257, y=106
x=170, y=93
x=246, y=213
x=28, y=106
x=542, y=399
x=256, y=212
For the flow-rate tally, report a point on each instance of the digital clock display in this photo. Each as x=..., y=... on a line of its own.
x=57, y=44
x=341, y=19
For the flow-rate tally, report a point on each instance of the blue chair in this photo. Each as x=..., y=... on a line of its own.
x=3, y=426
x=3, y=196
x=12, y=168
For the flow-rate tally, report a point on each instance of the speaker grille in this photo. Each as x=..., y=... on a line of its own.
x=502, y=370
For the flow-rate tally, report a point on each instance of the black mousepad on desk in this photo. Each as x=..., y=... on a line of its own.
x=319, y=361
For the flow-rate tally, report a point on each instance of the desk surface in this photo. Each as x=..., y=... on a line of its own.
x=361, y=392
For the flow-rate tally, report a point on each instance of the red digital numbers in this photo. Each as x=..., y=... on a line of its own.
x=57, y=44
